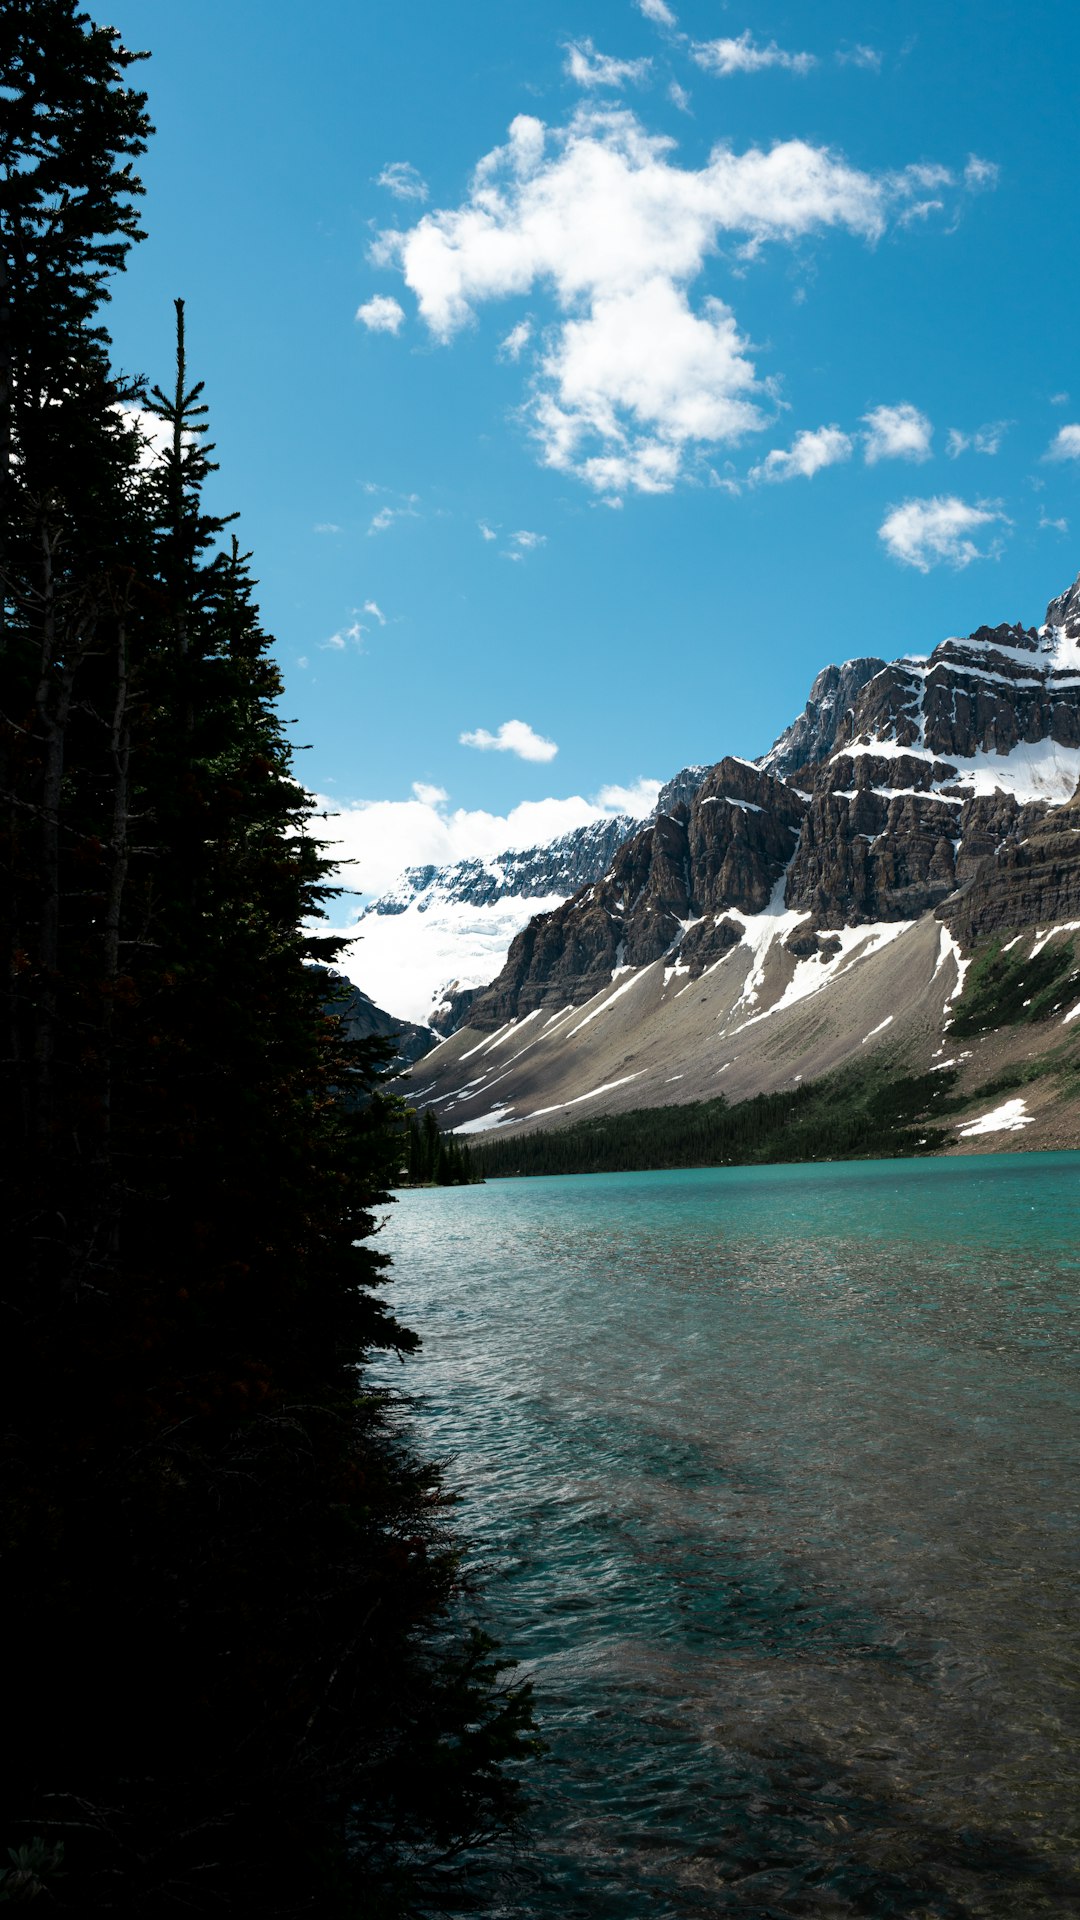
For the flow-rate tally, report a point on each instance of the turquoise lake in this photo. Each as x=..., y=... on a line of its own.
x=771, y=1474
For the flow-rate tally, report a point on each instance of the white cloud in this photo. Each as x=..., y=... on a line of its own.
x=634, y=381
x=326, y=526
x=486, y=532
x=381, y=314
x=516, y=340
x=923, y=533
x=896, y=433
x=1059, y=399
x=370, y=606
x=980, y=173
x=154, y=435
x=528, y=541
x=860, y=56
x=1057, y=526
x=678, y=97
x=514, y=736
x=808, y=453
x=588, y=67
x=382, y=837
x=387, y=516
x=337, y=643
x=985, y=439
x=1065, y=444
x=401, y=178
x=744, y=55
x=638, y=801
x=657, y=11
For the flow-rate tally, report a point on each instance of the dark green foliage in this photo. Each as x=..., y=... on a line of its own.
x=433, y=1158
x=1007, y=989
x=858, y=1114
x=235, y=1681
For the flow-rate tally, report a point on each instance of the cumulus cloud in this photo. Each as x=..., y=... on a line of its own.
x=1065, y=444
x=896, y=433
x=514, y=736
x=326, y=526
x=657, y=11
x=371, y=606
x=678, y=96
x=1057, y=526
x=381, y=314
x=634, y=381
x=925, y=533
x=809, y=452
x=486, y=532
x=588, y=67
x=516, y=341
x=638, y=801
x=985, y=439
x=374, y=840
x=744, y=55
x=401, y=178
x=527, y=542
x=153, y=435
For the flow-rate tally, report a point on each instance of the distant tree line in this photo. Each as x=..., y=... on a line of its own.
x=860, y=1113
x=433, y=1158
x=236, y=1678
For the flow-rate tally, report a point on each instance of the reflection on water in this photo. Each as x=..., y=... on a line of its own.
x=772, y=1475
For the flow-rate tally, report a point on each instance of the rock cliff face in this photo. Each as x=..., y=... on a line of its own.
x=728, y=849
x=931, y=784
x=1033, y=881
x=362, y=1017
x=813, y=735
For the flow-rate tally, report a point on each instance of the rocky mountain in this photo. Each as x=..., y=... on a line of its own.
x=785, y=902
x=362, y=1017
x=455, y=924
x=426, y=946
x=532, y=873
x=813, y=735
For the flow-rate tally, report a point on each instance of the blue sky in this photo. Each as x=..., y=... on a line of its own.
x=710, y=343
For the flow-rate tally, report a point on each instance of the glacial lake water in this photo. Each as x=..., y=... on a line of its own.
x=772, y=1475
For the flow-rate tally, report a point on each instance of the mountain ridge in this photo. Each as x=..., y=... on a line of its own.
x=811, y=913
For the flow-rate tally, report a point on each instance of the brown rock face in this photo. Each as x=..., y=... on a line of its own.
x=728, y=849
x=866, y=856
x=984, y=694
x=1034, y=881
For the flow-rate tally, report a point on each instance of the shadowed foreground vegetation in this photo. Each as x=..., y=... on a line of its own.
x=239, y=1672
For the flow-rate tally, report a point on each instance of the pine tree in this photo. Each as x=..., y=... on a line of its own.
x=238, y=1685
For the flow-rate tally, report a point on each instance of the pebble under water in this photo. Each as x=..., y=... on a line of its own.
x=771, y=1476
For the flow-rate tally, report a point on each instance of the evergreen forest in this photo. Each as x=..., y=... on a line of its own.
x=434, y=1158
x=859, y=1113
x=240, y=1674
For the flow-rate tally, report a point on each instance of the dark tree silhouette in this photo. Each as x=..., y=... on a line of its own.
x=239, y=1679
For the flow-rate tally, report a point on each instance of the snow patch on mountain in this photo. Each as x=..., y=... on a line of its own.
x=1033, y=770
x=439, y=930
x=409, y=959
